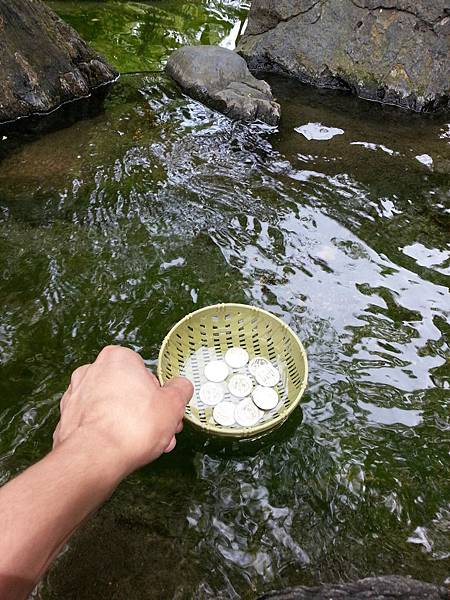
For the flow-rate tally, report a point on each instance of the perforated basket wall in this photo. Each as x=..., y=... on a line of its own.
x=206, y=334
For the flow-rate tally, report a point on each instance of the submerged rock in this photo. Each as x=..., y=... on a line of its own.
x=220, y=79
x=392, y=51
x=43, y=62
x=372, y=588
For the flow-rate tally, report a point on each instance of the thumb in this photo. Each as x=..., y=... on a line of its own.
x=179, y=388
x=171, y=446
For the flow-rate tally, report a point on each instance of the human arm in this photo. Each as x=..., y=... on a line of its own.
x=114, y=419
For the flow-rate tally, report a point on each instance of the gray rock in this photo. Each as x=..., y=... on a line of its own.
x=220, y=79
x=392, y=51
x=373, y=588
x=43, y=62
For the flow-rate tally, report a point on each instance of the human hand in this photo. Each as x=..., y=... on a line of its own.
x=115, y=417
x=119, y=407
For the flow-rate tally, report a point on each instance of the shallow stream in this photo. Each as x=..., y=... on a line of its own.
x=115, y=227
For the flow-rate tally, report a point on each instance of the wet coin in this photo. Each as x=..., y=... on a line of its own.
x=265, y=398
x=211, y=393
x=236, y=357
x=223, y=414
x=216, y=370
x=267, y=375
x=240, y=385
x=264, y=372
x=246, y=413
x=256, y=364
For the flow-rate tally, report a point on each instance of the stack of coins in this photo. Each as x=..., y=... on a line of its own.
x=250, y=383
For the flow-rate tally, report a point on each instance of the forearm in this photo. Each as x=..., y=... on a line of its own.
x=41, y=508
x=115, y=418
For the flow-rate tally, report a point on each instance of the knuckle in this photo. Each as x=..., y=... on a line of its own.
x=117, y=353
x=111, y=351
x=63, y=401
x=77, y=373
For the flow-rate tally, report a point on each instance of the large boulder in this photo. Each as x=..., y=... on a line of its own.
x=372, y=588
x=220, y=79
x=43, y=62
x=392, y=51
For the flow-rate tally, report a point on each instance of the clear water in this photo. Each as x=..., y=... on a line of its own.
x=114, y=228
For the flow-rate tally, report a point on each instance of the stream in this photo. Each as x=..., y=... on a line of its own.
x=116, y=226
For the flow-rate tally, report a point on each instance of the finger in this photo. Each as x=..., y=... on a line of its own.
x=179, y=427
x=175, y=394
x=111, y=354
x=78, y=375
x=179, y=388
x=171, y=446
x=153, y=378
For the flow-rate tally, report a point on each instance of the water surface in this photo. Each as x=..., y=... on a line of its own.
x=138, y=36
x=115, y=227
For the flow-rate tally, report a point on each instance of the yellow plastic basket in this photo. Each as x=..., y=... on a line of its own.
x=206, y=334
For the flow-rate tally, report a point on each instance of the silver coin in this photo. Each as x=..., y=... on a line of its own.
x=240, y=385
x=265, y=398
x=216, y=370
x=268, y=375
x=223, y=414
x=211, y=393
x=257, y=364
x=246, y=413
x=236, y=357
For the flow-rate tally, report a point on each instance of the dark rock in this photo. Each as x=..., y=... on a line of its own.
x=391, y=51
x=220, y=79
x=373, y=588
x=43, y=62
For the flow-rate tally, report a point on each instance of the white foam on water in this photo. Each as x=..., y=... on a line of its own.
x=425, y=159
x=317, y=131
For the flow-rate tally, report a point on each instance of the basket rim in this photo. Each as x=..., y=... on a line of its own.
x=240, y=432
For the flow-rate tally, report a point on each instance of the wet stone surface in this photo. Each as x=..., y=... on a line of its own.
x=40, y=78
x=395, y=52
x=219, y=78
x=372, y=588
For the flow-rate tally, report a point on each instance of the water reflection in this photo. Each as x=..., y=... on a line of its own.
x=138, y=36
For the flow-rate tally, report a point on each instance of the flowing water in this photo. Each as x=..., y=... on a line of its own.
x=115, y=227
